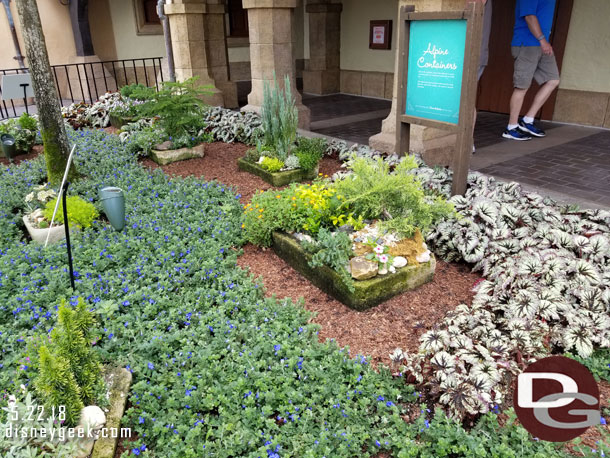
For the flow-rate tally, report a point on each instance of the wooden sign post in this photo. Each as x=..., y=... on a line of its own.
x=438, y=60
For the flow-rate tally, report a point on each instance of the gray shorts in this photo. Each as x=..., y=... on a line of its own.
x=531, y=63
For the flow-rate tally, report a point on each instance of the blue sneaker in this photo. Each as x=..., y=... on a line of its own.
x=531, y=129
x=516, y=134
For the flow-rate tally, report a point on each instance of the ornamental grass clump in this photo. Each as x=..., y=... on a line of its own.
x=279, y=118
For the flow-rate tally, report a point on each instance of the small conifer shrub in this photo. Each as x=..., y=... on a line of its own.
x=68, y=370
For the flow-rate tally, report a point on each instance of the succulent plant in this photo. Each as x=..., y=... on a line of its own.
x=291, y=162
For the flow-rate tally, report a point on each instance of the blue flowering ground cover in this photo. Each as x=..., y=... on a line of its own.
x=219, y=370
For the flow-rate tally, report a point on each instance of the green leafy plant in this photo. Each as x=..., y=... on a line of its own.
x=80, y=212
x=27, y=122
x=272, y=164
x=332, y=249
x=138, y=92
x=252, y=155
x=598, y=363
x=279, y=118
x=373, y=191
x=141, y=142
x=179, y=107
x=24, y=129
x=310, y=151
x=68, y=369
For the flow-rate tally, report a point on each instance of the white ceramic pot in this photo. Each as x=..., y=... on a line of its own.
x=40, y=235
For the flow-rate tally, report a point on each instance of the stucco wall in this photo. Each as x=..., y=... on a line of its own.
x=586, y=63
x=128, y=43
x=56, y=26
x=355, y=19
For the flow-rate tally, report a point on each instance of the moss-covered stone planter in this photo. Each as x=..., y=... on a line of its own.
x=164, y=157
x=367, y=293
x=277, y=179
x=118, y=381
x=119, y=121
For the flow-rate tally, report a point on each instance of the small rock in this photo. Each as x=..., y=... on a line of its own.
x=424, y=246
x=165, y=146
x=399, y=262
x=347, y=228
x=423, y=257
x=363, y=269
x=303, y=237
x=383, y=270
x=92, y=420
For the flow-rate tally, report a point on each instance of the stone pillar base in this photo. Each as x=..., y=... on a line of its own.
x=321, y=82
x=303, y=112
x=229, y=92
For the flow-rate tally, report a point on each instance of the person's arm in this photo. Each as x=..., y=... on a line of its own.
x=534, y=26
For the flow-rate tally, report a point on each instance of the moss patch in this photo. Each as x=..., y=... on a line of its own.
x=409, y=248
x=367, y=293
x=277, y=179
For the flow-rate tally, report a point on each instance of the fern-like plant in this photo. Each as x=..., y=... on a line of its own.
x=68, y=369
x=279, y=118
x=178, y=106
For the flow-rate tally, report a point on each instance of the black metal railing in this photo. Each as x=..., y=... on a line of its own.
x=86, y=82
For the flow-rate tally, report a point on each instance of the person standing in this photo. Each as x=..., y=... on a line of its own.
x=534, y=59
x=484, y=59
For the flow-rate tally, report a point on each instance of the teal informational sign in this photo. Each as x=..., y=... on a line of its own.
x=436, y=66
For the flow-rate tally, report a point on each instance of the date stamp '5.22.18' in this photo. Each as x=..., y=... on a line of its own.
x=35, y=421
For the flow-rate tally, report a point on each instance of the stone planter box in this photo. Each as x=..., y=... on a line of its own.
x=119, y=121
x=368, y=293
x=118, y=381
x=40, y=235
x=277, y=179
x=164, y=157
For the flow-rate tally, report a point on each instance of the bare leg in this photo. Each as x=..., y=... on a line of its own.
x=542, y=96
x=516, y=103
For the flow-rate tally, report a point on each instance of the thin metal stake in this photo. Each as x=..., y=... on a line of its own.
x=67, y=228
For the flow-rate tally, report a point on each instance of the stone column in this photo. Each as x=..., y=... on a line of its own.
x=271, y=42
x=435, y=145
x=322, y=73
x=186, y=20
x=216, y=48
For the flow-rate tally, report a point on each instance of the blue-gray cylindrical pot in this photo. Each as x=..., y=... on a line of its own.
x=9, y=148
x=113, y=202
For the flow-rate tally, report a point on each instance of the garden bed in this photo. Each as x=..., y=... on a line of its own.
x=367, y=293
x=278, y=179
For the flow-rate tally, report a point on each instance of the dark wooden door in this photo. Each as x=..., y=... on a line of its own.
x=496, y=85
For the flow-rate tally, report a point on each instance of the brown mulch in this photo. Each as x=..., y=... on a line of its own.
x=399, y=321
x=36, y=150
x=220, y=163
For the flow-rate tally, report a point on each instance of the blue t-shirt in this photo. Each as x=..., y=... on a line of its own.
x=544, y=10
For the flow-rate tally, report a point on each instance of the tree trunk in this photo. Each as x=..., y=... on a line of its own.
x=55, y=140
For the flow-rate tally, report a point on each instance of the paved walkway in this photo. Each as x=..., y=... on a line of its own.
x=571, y=164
